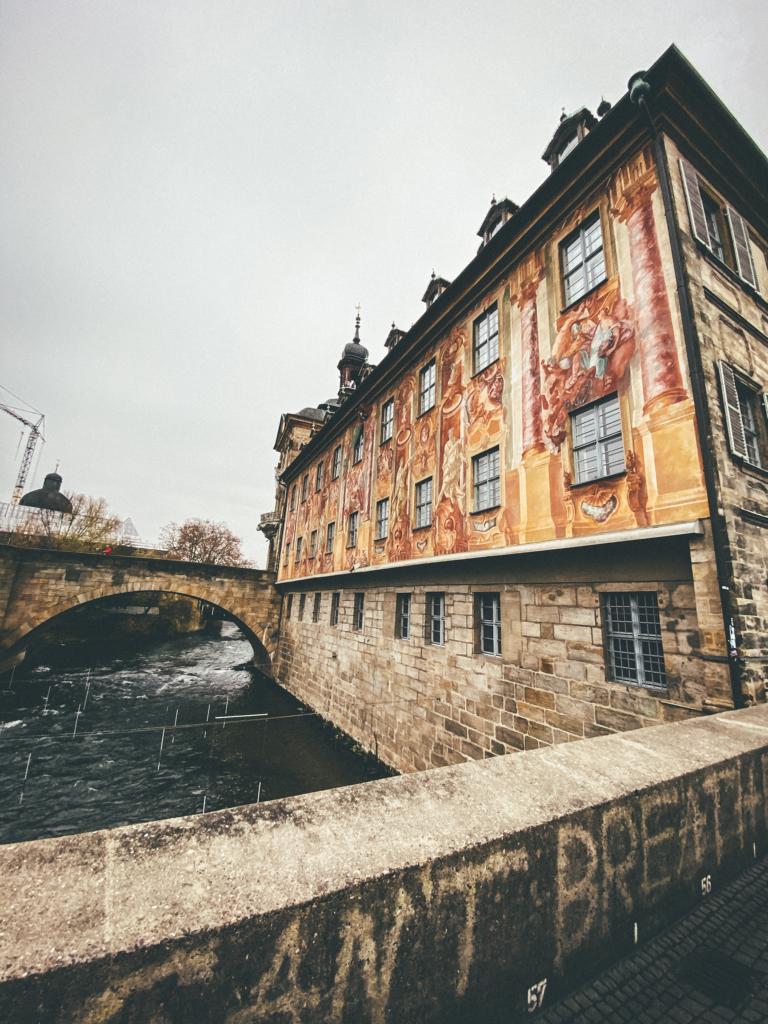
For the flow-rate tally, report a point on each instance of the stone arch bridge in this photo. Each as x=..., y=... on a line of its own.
x=38, y=585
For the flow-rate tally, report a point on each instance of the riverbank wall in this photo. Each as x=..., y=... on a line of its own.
x=475, y=892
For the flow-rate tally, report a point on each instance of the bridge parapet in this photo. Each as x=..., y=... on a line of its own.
x=36, y=585
x=467, y=893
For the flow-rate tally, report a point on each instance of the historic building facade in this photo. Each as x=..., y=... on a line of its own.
x=542, y=515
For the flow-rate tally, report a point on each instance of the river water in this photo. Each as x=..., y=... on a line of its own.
x=89, y=738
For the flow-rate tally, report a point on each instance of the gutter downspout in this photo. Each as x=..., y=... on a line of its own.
x=639, y=90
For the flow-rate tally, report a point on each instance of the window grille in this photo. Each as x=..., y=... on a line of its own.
x=330, y=536
x=302, y=605
x=313, y=544
x=435, y=632
x=335, y=608
x=316, y=607
x=358, y=612
x=289, y=606
x=488, y=623
x=633, y=634
x=403, y=616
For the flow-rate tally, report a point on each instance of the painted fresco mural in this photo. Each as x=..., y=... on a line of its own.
x=619, y=339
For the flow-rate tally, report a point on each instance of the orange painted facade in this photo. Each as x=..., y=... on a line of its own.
x=623, y=338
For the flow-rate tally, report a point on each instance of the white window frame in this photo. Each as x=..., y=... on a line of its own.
x=427, y=386
x=484, y=466
x=382, y=519
x=600, y=443
x=330, y=537
x=335, y=603
x=485, y=350
x=403, y=616
x=423, y=507
x=352, y=525
x=336, y=463
x=387, y=421
x=578, y=238
x=358, y=611
x=435, y=618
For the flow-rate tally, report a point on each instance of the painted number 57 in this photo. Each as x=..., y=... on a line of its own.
x=536, y=996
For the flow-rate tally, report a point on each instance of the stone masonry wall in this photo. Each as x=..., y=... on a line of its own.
x=418, y=705
x=732, y=326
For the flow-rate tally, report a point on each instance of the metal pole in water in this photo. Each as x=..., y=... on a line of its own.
x=87, y=688
x=10, y=681
x=162, y=741
x=175, y=721
x=226, y=707
x=46, y=699
x=205, y=797
x=258, y=793
x=207, y=719
x=26, y=774
x=26, y=770
x=77, y=719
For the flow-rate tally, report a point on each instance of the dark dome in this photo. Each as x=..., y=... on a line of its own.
x=355, y=352
x=48, y=496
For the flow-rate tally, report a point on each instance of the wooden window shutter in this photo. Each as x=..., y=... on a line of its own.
x=732, y=410
x=695, y=205
x=742, y=248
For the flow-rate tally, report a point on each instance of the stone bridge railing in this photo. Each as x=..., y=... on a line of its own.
x=469, y=893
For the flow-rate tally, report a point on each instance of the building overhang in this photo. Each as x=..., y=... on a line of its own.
x=692, y=528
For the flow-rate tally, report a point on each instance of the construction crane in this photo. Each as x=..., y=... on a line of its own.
x=35, y=435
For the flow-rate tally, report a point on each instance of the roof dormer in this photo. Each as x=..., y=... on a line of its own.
x=498, y=215
x=435, y=289
x=394, y=337
x=569, y=133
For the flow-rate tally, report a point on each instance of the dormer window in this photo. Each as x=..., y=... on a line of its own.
x=497, y=216
x=435, y=289
x=569, y=133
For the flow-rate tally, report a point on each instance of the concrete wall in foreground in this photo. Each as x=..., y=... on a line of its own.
x=466, y=893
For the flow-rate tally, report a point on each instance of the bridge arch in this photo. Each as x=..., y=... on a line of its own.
x=37, y=587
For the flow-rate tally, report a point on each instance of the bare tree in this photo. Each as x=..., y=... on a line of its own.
x=200, y=540
x=90, y=526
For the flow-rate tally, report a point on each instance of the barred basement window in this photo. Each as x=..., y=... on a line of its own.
x=319, y=474
x=316, y=607
x=330, y=536
x=313, y=544
x=305, y=487
x=289, y=606
x=358, y=612
x=424, y=503
x=302, y=605
x=435, y=619
x=382, y=519
x=427, y=387
x=488, y=623
x=359, y=445
x=583, y=259
x=403, y=616
x=485, y=339
x=336, y=463
x=633, y=635
x=387, y=420
x=598, y=447
x=352, y=530
x=741, y=399
x=486, y=480
x=335, y=608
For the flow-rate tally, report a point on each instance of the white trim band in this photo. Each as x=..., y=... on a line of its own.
x=694, y=527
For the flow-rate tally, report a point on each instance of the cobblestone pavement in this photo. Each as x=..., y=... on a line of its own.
x=709, y=968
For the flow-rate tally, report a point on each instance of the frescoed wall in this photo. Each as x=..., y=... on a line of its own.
x=621, y=338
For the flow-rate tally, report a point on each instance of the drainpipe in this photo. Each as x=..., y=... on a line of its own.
x=639, y=91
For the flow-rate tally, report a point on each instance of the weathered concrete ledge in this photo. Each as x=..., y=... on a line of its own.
x=460, y=894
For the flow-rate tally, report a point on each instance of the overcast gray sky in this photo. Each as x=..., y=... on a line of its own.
x=195, y=195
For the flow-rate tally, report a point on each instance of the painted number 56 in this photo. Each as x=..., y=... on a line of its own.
x=706, y=885
x=536, y=996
